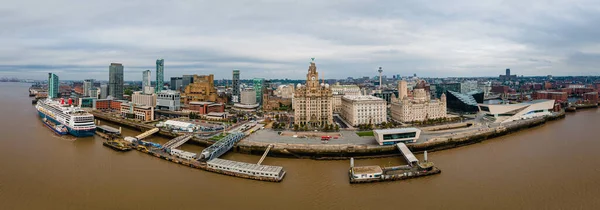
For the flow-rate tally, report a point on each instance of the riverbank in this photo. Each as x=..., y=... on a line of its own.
x=345, y=151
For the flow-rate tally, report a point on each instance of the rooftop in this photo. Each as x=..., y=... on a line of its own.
x=366, y=170
x=362, y=98
x=246, y=166
x=396, y=130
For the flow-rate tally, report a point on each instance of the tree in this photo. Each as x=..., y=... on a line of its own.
x=295, y=127
x=337, y=127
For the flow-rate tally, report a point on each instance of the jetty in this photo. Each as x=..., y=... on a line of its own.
x=413, y=169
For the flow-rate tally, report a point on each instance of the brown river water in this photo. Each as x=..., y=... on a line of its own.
x=553, y=166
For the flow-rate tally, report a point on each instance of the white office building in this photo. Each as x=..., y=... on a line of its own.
x=168, y=100
x=144, y=99
x=358, y=110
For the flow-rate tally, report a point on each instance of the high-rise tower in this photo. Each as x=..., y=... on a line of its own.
x=235, y=87
x=160, y=77
x=380, y=78
x=115, y=80
x=52, y=85
x=146, y=77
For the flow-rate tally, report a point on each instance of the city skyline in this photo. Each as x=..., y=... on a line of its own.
x=274, y=40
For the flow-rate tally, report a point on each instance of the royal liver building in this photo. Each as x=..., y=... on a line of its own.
x=313, y=101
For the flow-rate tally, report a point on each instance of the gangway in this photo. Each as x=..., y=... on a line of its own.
x=408, y=155
x=147, y=133
x=265, y=154
x=220, y=147
x=177, y=141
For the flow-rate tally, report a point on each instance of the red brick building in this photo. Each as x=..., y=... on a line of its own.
x=557, y=96
x=591, y=97
x=108, y=104
x=206, y=107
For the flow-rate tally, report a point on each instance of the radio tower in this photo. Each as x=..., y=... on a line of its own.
x=380, y=71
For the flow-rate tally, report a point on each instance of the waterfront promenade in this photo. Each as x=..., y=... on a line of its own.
x=349, y=144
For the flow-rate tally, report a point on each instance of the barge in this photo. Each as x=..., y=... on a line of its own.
x=117, y=146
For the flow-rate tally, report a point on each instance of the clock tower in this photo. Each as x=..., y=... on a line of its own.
x=312, y=78
x=313, y=101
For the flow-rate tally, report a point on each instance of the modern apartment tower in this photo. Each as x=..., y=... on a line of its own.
x=160, y=77
x=176, y=83
x=235, y=95
x=146, y=76
x=103, y=91
x=115, y=80
x=87, y=85
x=259, y=86
x=52, y=85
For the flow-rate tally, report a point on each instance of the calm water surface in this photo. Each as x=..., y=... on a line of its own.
x=554, y=166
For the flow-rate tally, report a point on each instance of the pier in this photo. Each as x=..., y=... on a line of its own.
x=221, y=147
x=176, y=142
x=147, y=133
x=265, y=154
x=364, y=174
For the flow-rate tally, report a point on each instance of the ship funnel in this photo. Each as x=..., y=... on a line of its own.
x=351, y=162
x=425, y=155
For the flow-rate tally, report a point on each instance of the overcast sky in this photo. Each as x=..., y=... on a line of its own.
x=276, y=39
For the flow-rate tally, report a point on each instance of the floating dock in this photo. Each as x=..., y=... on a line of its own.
x=364, y=174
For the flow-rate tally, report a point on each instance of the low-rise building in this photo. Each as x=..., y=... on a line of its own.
x=503, y=113
x=108, y=104
x=144, y=99
x=558, y=96
x=203, y=107
x=139, y=112
x=168, y=100
x=397, y=135
x=358, y=110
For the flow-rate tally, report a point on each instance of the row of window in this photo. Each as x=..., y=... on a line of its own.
x=247, y=172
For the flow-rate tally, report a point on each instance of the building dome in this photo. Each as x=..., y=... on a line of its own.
x=299, y=85
x=326, y=85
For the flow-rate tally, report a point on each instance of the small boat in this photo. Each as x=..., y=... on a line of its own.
x=58, y=129
x=118, y=146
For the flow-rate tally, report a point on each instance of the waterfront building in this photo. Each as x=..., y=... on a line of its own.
x=590, y=98
x=235, y=87
x=313, y=101
x=115, y=80
x=103, y=91
x=88, y=84
x=464, y=103
x=146, y=75
x=135, y=111
x=108, y=104
x=160, y=77
x=87, y=102
x=259, y=88
x=418, y=108
x=396, y=135
x=551, y=95
x=53, y=85
x=358, y=110
x=339, y=91
x=144, y=99
x=168, y=100
x=204, y=107
x=176, y=83
x=202, y=89
x=503, y=113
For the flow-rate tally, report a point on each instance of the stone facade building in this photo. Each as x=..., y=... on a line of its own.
x=313, y=102
x=202, y=89
x=358, y=110
x=341, y=90
x=418, y=108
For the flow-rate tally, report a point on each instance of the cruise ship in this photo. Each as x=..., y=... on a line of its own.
x=78, y=122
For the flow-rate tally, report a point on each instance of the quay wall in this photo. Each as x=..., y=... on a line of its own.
x=341, y=151
x=345, y=151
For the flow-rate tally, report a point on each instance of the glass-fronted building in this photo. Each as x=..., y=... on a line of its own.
x=259, y=85
x=464, y=103
x=52, y=85
x=160, y=77
x=115, y=80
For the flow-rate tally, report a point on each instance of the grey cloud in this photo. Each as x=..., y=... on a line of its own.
x=276, y=38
